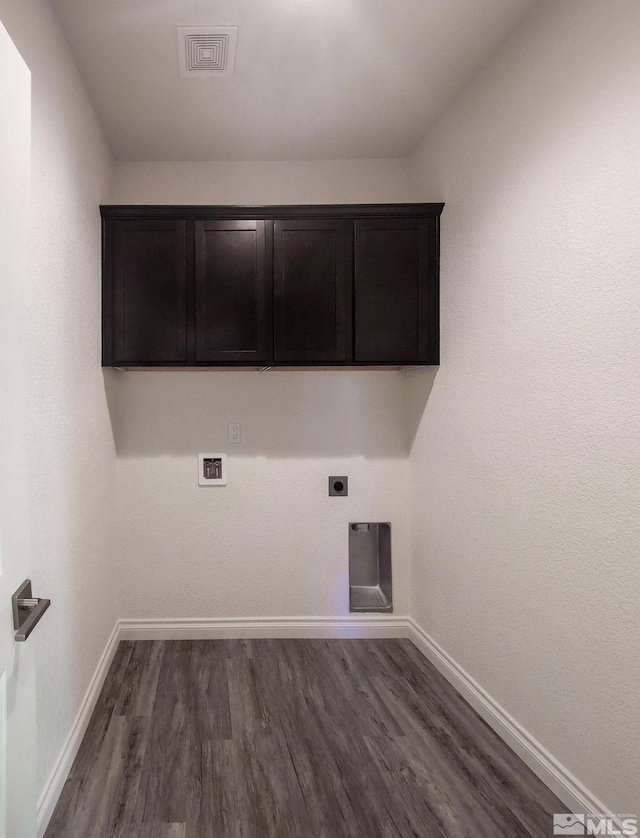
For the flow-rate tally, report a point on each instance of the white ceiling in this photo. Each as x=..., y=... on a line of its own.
x=314, y=79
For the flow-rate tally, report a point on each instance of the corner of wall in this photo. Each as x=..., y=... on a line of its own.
x=524, y=511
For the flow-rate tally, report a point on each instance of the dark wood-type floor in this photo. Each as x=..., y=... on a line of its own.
x=300, y=738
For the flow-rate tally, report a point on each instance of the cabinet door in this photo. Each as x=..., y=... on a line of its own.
x=149, y=292
x=396, y=291
x=312, y=306
x=232, y=299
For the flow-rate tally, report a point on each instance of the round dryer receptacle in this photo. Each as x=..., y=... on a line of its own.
x=338, y=486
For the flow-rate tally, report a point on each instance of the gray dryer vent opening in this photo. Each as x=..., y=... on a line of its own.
x=370, y=567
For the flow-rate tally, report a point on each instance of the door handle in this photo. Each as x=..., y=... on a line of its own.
x=27, y=610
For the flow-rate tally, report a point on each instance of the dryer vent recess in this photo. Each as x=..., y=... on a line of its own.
x=338, y=487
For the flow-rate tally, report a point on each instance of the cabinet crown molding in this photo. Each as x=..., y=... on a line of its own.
x=271, y=212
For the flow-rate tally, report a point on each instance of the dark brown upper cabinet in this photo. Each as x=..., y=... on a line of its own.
x=145, y=289
x=324, y=286
x=396, y=295
x=231, y=294
x=313, y=291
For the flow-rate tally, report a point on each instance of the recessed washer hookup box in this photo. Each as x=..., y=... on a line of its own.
x=370, y=586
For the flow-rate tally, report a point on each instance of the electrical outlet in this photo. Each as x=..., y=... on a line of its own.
x=234, y=432
x=338, y=487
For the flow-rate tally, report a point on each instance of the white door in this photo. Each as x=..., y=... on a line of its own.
x=17, y=681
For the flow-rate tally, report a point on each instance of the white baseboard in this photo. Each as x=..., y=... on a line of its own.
x=53, y=788
x=245, y=627
x=543, y=764
x=554, y=775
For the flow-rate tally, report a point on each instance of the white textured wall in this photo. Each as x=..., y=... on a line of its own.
x=71, y=449
x=294, y=182
x=525, y=466
x=272, y=543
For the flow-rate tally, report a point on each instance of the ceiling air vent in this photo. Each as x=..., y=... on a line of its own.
x=206, y=50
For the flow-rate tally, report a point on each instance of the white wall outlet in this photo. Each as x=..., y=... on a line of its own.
x=234, y=432
x=212, y=469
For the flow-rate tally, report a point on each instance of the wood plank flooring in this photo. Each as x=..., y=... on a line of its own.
x=299, y=738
